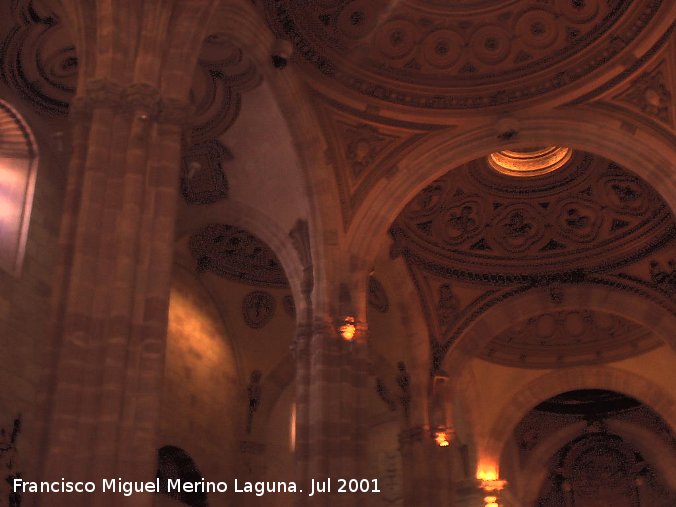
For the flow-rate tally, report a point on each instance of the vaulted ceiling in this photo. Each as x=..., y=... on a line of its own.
x=382, y=76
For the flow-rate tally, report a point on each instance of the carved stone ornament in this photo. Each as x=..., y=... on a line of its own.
x=568, y=338
x=650, y=93
x=203, y=179
x=473, y=222
x=223, y=74
x=458, y=55
x=258, y=307
x=470, y=237
x=664, y=279
x=237, y=255
x=39, y=60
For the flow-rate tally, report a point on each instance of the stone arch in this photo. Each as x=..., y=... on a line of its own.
x=498, y=318
x=246, y=28
x=257, y=223
x=569, y=379
x=644, y=441
x=405, y=307
x=641, y=149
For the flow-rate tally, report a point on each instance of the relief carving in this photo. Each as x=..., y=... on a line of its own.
x=203, y=179
x=258, y=307
x=650, y=94
x=235, y=254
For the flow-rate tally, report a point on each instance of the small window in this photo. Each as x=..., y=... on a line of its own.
x=18, y=164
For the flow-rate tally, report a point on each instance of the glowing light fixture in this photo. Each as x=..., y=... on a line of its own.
x=491, y=501
x=490, y=485
x=348, y=329
x=488, y=475
x=441, y=439
x=530, y=161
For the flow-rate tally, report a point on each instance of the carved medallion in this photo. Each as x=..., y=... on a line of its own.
x=258, y=307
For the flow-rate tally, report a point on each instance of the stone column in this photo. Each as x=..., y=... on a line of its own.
x=104, y=368
x=426, y=468
x=331, y=437
x=469, y=494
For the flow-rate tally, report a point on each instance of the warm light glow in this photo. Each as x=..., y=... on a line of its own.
x=530, y=161
x=348, y=329
x=490, y=485
x=487, y=473
x=491, y=501
x=292, y=429
x=441, y=439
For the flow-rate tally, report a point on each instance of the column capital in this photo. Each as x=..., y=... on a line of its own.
x=142, y=97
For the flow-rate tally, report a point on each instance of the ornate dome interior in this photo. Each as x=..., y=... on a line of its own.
x=461, y=55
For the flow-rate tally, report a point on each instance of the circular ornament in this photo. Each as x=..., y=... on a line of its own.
x=442, y=48
x=537, y=29
x=397, y=38
x=490, y=44
x=578, y=11
x=258, y=307
x=357, y=19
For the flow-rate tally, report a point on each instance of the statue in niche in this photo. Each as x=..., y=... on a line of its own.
x=254, y=394
x=404, y=383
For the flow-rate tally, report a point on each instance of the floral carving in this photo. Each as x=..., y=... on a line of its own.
x=517, y=228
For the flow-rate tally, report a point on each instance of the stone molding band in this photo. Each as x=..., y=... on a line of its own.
x=141, y=98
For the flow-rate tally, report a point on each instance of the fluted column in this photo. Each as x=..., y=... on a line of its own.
x=106, y=360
